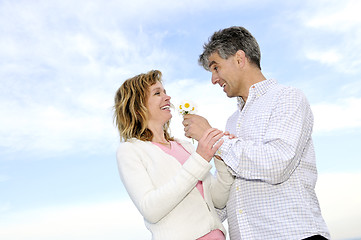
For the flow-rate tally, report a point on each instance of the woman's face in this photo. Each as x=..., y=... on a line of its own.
x=158, y=105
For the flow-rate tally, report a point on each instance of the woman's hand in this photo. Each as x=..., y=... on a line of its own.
x=230, y=136
x=206, y=145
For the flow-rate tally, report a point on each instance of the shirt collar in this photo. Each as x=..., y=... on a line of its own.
x=262, y=87
x=257, y=89
x=240, y=103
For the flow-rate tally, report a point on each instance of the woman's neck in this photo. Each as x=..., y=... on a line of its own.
x=161, y=140
x=158, y=135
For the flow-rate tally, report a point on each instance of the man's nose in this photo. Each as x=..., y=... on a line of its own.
x=215, y=78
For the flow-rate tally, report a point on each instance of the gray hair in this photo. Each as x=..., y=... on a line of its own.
x=227, y=42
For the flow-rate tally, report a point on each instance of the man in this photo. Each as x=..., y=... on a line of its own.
x=272, y=155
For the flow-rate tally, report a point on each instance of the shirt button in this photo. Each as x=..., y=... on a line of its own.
x=240, y=211
x=237, y=188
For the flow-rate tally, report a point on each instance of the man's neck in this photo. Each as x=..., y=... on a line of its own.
x=254, y=77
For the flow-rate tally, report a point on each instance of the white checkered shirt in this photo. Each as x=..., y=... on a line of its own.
x=273, y=159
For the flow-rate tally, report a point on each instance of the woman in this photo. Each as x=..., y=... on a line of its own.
x=167, y=179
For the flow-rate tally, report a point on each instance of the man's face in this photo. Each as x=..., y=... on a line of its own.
x=226, y=73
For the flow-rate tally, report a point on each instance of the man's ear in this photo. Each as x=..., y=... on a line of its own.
x=240, y=57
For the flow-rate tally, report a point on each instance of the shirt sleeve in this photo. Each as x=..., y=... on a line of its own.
x=275, y=158
x=155, y=202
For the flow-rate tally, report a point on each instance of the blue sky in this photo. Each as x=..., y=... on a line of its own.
x=62, y=61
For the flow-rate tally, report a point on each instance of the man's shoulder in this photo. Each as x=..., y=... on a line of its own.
x=286, y=89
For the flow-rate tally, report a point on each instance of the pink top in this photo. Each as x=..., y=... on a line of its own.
x=177, y=151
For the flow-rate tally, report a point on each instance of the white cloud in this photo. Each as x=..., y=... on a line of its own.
x=341, y=114
x=340, y=201
x=329, y=32
x=61, y=72
x=107, y=220
x=336, y=16
x=329, y=57
x=52, y=129
x=352, y=89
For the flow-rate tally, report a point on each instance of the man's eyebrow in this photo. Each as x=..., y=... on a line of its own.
x=211, y=63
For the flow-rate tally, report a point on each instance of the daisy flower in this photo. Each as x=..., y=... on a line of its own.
x=187, y=107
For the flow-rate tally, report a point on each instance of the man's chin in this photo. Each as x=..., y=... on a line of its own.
x=230, y=95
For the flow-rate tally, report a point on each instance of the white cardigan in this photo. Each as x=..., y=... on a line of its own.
x=164, y=191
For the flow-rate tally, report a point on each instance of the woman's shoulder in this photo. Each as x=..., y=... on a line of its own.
x=186, y=144
x=131, y=144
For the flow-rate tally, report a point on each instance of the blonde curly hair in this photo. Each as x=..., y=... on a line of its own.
x=130, y=111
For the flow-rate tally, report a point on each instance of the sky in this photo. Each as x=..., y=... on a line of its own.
x=61, y=63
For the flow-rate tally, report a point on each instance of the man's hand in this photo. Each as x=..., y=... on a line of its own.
x=195, y=126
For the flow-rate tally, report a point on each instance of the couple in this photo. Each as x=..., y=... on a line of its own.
x=266, y=170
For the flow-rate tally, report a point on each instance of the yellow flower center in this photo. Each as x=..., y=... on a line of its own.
x=186, y=105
